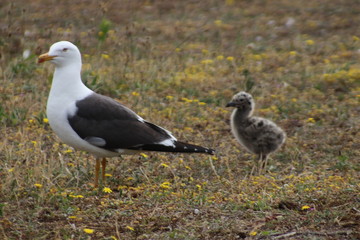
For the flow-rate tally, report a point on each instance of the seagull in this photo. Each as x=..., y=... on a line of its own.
x=258, y=135
x=99, y=124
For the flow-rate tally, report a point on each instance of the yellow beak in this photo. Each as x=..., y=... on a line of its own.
x=45, y=57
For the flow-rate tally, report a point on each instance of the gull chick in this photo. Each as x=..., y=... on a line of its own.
x=258, y=135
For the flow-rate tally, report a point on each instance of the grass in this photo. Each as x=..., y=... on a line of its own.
x=177, y=64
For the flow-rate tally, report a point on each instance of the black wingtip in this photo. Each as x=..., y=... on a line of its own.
x=178, y=147
x=210, y=151
x=186, y=147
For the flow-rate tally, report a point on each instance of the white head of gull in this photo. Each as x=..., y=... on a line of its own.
x=95, y=123
x=258, y=135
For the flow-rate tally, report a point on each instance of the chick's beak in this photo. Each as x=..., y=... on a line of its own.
x=45, y=57
x=231, y=104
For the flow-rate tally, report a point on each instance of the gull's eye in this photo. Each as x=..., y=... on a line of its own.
x=64, y=49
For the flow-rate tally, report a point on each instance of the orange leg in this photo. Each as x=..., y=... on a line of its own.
x=97, y=169
x=103, y=164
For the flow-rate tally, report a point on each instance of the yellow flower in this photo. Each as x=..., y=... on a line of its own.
x=257, y=57
x=164, y=165
x=11, y=170
x=293, y=53
x=229, y=2
x=71, y=165
x=274, y=108
x=144, y=155
x=207, y=61
x=72, y=217
x=31, y=121
x=310, y=120
x=202, y=103
x=135, y=93
x=218, y=22
x=204, y=51
x=177, y=49
x=76, y=196
x=354, y=74
x=165, y=185
x=198, y=186
x=230, y=58
x=252, y=233
x=45, y=120
x=186, y=100
x=105, y=56
x=86, y=55
x=309, y=42
x=220, y=57
x=188, y=129
x=107, y=190
x=38, y=185
x=169, y=97
x=88, y=230
x=130, y=228
x=122, y=187
x=305, y=207
x=108, y=175
x=68, y=151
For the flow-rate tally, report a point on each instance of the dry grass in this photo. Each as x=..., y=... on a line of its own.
x=177, y=63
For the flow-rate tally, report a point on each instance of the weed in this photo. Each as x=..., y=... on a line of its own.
x=104, y=28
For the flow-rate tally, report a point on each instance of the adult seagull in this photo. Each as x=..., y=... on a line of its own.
x=95, y=123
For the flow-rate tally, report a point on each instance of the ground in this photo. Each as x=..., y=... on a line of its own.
x=177, y=64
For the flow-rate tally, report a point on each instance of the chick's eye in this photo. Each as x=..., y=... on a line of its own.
x=64, y=49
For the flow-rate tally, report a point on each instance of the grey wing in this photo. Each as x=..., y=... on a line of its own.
x=106, y=123
x=265, y=136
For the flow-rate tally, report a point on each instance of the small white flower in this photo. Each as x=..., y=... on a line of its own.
x=26, y=54
x=290, y=22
